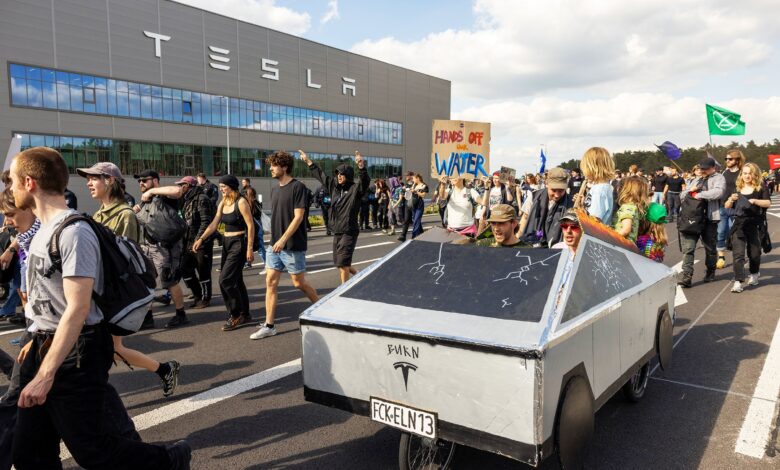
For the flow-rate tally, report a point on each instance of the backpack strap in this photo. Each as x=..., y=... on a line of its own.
x=54, y=245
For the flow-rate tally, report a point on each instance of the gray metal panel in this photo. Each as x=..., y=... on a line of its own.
x=87, y=125
x=251, y=140
x=313, y=56
x=21, y=120
x=253, y=41
x=221, y=32
x=417, y=128
x=132, y=53
x=134, y=129
x=25, y=33
x=289, y=143
x=183, y=56
x=378, y=90
x=284, y=49
x=396, y=95
x=82, y=36
x=183, y=133
x=359, y=71
x=338, y=66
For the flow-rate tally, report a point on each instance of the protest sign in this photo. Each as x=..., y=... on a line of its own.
x=507, y=174
x=460, y=149
x=774, y=161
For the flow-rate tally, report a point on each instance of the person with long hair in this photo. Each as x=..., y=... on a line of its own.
x=418, y=190
x=633, y=204
x=461, y=202
x=237, y=248
x=395, y=209
x=598, y=167
x=748, y=204
x=383, y=200
x=104, y=181
x=735, y=160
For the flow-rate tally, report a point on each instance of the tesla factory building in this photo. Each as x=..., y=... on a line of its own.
x=161, y=85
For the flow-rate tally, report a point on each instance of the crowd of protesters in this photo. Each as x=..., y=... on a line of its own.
x=176, y=227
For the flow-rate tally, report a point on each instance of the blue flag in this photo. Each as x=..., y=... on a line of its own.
x=671, y=151
x=544, y=161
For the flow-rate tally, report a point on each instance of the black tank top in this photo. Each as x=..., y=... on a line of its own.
x=234, y=222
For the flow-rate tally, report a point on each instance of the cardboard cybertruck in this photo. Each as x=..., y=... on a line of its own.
x=503, y=349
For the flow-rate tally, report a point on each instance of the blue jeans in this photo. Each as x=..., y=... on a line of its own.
x=9, y=307
x=417, y=214
x=658, y=197
x=726, y=221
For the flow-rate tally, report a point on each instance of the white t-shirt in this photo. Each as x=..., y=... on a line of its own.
x=495, y=197
x=460, y=211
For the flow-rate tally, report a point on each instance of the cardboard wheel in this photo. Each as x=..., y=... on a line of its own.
x=664, y=340
x=574, y=424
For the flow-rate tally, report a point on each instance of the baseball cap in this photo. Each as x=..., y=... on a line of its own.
x=190, y=180
x=706, y=163
x=656, y=213
x=557, y=178
x=502, y=213
x=147, y=174
x=101, y=169
x=570, y=216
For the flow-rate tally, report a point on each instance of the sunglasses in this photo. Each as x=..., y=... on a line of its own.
x=567, y=227
x=144, y=180
x=730, y=158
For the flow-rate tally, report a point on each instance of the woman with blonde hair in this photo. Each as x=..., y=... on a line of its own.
x=633, y=205
x=598, y=167
x=749, y=204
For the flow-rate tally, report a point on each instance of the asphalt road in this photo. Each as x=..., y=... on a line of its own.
x=690, y=417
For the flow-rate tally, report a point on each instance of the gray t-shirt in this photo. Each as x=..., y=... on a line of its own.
x=80, y=254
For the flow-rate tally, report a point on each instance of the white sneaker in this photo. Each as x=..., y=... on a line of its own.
x=753, y=279
x=737, y=287
x=263, y=332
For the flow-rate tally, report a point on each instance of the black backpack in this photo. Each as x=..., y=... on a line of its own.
x=693, y=215
x=161, y=222
x=129, y=277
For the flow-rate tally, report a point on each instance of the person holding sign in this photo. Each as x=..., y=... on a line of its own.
x=346, y=196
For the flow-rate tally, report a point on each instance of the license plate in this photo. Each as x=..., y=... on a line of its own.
x=422, y=423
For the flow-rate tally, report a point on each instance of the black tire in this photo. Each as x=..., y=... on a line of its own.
x=635, y=388
x=574, y=424
x=422, y=453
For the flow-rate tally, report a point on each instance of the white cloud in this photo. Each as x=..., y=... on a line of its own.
x=261, y=12
x=332, y=13
x=626, y=121
x=524, y=48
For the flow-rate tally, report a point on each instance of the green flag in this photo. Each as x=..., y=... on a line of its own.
x=724, y=122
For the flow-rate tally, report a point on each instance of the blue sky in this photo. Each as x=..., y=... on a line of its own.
x=569, y=74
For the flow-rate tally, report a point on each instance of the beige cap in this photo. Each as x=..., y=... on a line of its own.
x=557, y=178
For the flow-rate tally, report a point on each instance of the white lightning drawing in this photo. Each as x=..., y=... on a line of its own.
x=524, y=269
x=505, y=302
x=437, y=267
x=603, y=268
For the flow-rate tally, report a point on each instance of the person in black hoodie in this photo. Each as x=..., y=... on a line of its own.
x=198, y=211
x=346, y=195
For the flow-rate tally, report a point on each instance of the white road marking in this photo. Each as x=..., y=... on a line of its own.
x=679, y=296
x=209, y=397
x=776, y=215
x=356, y=248
x=11, y=332
x=757, y=427
x=678, y=267
x=702, y=387
x=353, y=264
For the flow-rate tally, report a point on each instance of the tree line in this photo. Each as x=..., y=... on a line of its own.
x=649, y=160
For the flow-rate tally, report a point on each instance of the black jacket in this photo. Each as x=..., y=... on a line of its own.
x=543, y=222
x=211, y=190
x=345, y=200
x=198, y=211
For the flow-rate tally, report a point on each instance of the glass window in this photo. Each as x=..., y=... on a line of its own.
x=89, y=95
x=166, y=92
x=100, y=83
x=186, y=107
x=206, y=104
x=176, y=110
x=18, y=71
x=167, y=109
x=19, y=91
x=157, y=112
x=63, y=96
x=76, y=94
x=146, y=106
x=121, y=86
x=176, y=94
x=50, y=95
x=122, y=108
x=48, y=75
x=135, y=104
x=146, y=89
x=33, y=73
x=196, y=117
x=100, y=101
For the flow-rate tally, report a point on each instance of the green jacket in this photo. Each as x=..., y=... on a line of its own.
x=120, y=219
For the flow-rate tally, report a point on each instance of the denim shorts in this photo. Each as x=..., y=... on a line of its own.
x=294, y=262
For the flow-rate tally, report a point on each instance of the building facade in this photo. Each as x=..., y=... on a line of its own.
x=158, y=84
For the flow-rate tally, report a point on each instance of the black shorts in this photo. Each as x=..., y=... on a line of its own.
x=343, y=247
